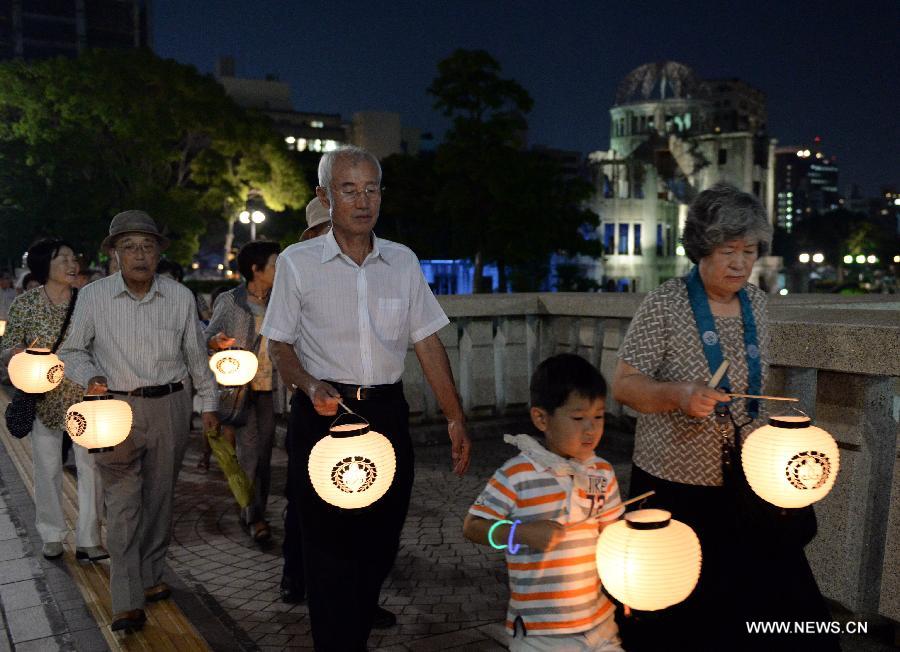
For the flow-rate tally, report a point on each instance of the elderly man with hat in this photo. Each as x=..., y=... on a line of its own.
x=135, y=334
x=318, y=220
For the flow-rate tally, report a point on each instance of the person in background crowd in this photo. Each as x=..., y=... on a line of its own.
x=318, y=220
x=37, y=315
x=7, y=293
x=176, y=272
x=136, y=335
x=236, y=321
x=344, y=308
x=29, y=282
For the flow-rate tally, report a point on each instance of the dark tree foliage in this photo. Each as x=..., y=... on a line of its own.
x=82, y=139
x=498, y=202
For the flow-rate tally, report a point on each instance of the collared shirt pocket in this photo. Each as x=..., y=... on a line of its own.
x=389, y=317
x=168, y=344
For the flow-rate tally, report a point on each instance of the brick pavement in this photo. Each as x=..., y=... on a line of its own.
x=447, y=592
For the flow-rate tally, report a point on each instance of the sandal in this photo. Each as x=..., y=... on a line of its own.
x=261, y=532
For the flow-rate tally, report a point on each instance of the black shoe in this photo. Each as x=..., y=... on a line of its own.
x=292, y=592
x=383, y=619
x=130, y=621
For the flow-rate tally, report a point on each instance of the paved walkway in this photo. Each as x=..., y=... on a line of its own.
x=448, y=594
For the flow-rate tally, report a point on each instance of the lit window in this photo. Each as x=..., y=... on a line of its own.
x=301, y=144
x=316, y=124
x=290, y=140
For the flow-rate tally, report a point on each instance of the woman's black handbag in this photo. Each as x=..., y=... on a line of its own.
x=21, y=411
x=234, y=401
x=234, y=406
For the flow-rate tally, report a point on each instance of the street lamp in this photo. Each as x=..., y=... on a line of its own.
x=818, y=258
x=848, y=259
x=860, y=259
x=871, y=259
x=803, y=258
x=254, y=218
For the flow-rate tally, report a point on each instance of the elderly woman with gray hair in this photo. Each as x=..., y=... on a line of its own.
x=678, y=338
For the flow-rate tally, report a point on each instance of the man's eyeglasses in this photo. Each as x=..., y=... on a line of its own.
x=132, y=248
x=350, y=196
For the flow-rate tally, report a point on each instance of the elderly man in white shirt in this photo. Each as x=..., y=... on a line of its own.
x=343, y=310
x=136, y=334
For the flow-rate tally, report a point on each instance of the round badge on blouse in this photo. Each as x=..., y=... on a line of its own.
x=710, y=338
x=753, y=350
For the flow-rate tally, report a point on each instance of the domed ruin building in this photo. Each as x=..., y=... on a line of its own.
x=672, y=136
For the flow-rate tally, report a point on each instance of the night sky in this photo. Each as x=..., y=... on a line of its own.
x=828, y=68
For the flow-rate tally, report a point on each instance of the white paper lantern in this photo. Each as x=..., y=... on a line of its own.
x=99, y=423
x=2, y=327
x=789, y=462
x=234, y=366
x=649, y=561
x=352, y=466
x=36, y=371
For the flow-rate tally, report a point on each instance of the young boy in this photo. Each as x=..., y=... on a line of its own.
x=555, y=496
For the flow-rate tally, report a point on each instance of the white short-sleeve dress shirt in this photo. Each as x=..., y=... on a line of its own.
x=351, y=323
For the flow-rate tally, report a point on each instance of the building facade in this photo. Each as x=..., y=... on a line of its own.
x=36, y=29
x=672, y=136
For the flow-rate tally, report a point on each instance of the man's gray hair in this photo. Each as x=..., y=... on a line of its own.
x=351, y=153
x=723, y=213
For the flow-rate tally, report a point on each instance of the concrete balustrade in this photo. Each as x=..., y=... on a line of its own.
x=839, y=355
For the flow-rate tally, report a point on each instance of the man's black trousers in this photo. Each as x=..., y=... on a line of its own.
x=347, y=553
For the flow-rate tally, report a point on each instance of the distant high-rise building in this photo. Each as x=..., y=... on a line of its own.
x=806, y=181
x=39, y=29
x=303, y=131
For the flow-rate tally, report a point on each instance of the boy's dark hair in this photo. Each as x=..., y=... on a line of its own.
x=560, y=375
x=40, y=255
x=256, y=253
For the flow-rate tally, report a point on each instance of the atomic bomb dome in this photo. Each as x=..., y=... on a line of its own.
x=658, y=81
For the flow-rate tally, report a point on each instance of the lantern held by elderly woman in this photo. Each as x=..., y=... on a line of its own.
x=352, y=466
x=99, y=423
x=789, y=462
x=36, y=371
x=649, y=561
x=234, y=366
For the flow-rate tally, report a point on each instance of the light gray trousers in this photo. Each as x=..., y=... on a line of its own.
x=138, y=485
x=46, y=453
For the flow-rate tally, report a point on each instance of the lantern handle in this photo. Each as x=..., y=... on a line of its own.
x=642, y=497
x=33, y=342
x=348, y=411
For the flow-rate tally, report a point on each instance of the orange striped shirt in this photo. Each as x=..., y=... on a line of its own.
x=557, y=591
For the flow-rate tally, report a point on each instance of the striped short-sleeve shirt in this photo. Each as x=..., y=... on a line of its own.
x=556, y=591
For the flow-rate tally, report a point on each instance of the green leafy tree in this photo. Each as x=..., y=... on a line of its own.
x=499, y=202
x=82, y=139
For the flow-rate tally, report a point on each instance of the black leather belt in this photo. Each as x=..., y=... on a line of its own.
x=154, y=391
x=368, y=392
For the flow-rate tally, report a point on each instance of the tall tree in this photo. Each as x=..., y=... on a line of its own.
x=501, y=203
x=81, y=139
x=488, y=122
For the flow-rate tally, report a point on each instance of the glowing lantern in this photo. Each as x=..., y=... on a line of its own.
x=649, y=561
x=234, y=366
x=2, y=327
x=99, y=423
x=789, y=462
x=36, y=371
x=352, y=466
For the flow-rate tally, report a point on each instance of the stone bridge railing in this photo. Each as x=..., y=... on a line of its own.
x=840, y=356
